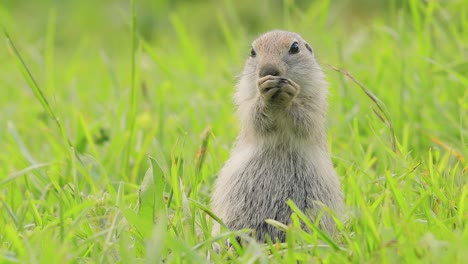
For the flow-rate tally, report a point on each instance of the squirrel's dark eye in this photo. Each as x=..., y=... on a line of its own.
x=294, y=48
x=253, y=53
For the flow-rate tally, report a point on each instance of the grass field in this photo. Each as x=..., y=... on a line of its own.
x=97, y=94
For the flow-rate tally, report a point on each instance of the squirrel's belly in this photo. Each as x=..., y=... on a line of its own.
x=255, y=186
x=260, y=189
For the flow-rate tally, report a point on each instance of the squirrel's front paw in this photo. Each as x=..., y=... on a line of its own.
x=277, y=90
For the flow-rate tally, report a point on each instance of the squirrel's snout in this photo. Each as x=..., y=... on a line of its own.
x=269, y=69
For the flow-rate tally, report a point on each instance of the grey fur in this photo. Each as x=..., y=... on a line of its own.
x=281, y=151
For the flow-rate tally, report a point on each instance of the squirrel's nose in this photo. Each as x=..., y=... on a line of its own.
x=269, y=69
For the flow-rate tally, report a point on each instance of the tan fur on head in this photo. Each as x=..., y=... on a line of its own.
x=281, y=151
x=272, y=48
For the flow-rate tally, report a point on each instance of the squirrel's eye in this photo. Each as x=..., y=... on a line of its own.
x=252, y=53
x=294, y=48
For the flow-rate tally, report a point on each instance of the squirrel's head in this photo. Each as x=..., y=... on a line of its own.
x=284, y=54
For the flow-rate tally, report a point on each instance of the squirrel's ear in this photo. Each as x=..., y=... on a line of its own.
x=309, y=48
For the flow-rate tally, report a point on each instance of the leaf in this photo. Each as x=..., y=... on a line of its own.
x=142, y=225
x=150, y=200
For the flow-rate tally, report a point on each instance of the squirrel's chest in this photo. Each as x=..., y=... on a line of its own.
x=273, y=173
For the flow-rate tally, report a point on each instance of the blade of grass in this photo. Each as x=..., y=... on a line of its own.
x=36, y=215
x=385, y=117
x=131, y=117
x=312, y=226
x=15, y=239
x=49, y=52
x=208, y=212
x=34, y=86
x=20, y=173
x=202, y=150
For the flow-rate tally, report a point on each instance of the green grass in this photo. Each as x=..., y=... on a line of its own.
x=114, y=122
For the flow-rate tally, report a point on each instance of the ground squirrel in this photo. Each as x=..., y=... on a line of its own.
x=281, y=150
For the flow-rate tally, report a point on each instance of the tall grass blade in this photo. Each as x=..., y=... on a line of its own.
x=34, y=86
x=384, y=114
x=131, y=117
x=321, y=234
